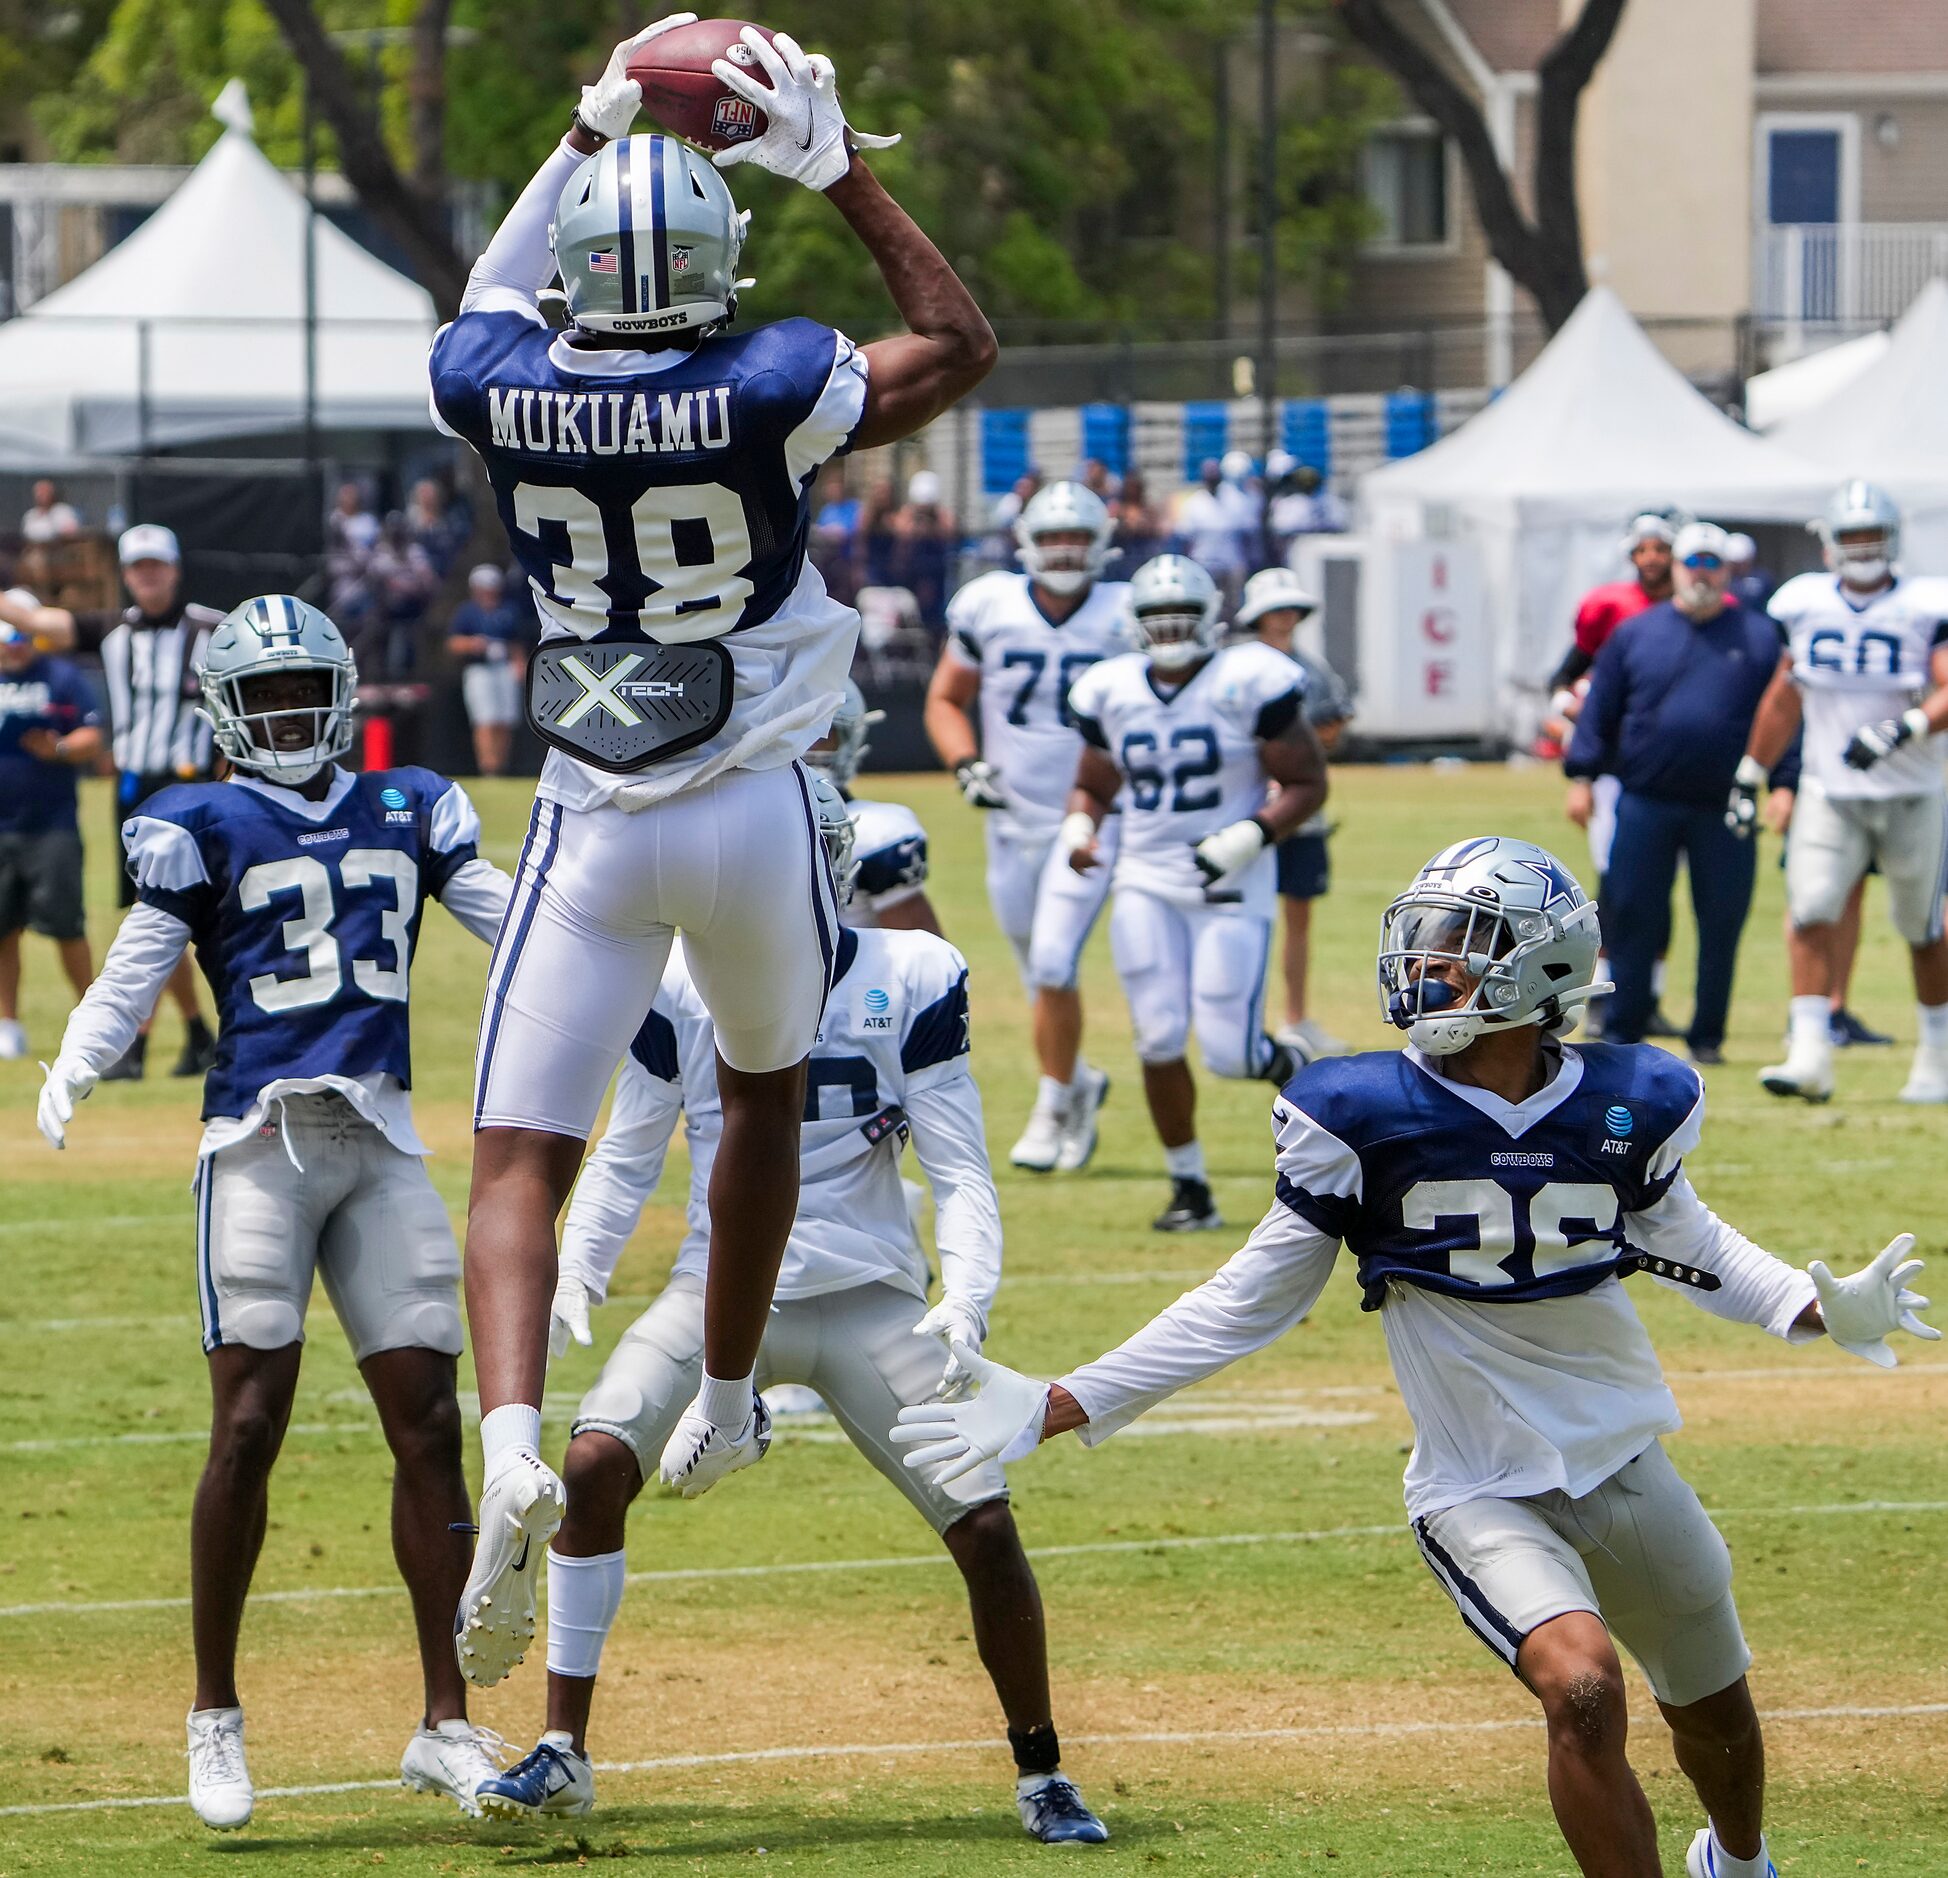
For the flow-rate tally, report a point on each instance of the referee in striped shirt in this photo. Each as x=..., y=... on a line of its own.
x=149, y=654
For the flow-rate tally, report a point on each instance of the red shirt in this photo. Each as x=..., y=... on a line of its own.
x=1604, y=609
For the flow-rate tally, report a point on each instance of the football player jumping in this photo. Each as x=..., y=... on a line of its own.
x=1866, y=669
x=1017, y=643
x=1210, y=752
x=851, y=1320
x=301, y=886
x=652, y=468
x=1496, y=1186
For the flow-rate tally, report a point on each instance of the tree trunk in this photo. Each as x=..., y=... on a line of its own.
x=1543, y=253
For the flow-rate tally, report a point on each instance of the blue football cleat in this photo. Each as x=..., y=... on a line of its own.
x=549, y=1783
x=1056, y=1814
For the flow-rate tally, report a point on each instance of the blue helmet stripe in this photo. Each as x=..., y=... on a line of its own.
x=626, y=227
x=659, y=251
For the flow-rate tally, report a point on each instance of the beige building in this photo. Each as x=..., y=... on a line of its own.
x=1754, y=175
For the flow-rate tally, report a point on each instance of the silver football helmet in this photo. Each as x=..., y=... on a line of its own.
x=1174, y=611
x=274, y=638
x=845, y=749
x=1861, y=533
x=647, y=238
x=1064, y=509
x=835, y=830
x=1493, y=934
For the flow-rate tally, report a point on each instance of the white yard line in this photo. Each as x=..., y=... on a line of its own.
x=1193, y=1542
x=853, y=1750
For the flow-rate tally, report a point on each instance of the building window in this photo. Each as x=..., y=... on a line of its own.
x=1405, y=176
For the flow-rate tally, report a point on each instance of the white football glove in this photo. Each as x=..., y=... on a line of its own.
x=68, y=1082
x=1235, y=845
x=1000, y=1421
x=1863, y=1311
x=568, y=1314
x=804, y=124
x=955, y=1320
x=609, y=106
x=980, y=783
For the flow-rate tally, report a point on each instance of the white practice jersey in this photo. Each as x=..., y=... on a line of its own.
x=1861, y=663
x=891, y=1061
x=889, y=848
x=1489, y=1236
x=1191, y=762
x=1028, y=666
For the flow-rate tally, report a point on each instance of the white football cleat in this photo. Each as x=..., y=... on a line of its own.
x=1702, y=1857
x=520, y=1510
x=1927, y=1081
x=1040, y=1146
x=13, y=1038
x=1079, y=1125
x=1806, y=1073
x=220, y=1793
x=453, y=1758
x=699, y=1453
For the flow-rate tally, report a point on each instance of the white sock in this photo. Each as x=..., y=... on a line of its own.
x=726, y=1404
x=561, y=1739
x=1811, y=1017
x=1934, y=1026
x=584, y=1595
x=508, y=1432
x=1052, y=1095
x=1185, y=1163
x=1025, y=1784
x=1729, y=1867
x=1657, y=979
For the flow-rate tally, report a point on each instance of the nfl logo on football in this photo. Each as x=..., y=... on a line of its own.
x=734, y=119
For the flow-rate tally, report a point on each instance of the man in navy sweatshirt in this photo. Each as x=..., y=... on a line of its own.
x=1670, y=705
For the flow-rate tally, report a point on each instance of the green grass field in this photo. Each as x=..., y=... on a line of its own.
x=1253, y=1671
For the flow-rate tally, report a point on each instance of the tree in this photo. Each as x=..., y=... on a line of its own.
x=1543, y=252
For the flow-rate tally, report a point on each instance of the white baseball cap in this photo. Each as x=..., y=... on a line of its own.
x=1236, y=465
x=148, y=541
x=1741, y=547
x=486, y=575
x=923, y=488
x=1701, y=538
x=1268, y=591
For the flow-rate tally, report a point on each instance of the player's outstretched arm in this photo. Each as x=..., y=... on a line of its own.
x=950, y=1143
x=112, y=1010
x=616, y=1182
x=1266, y=1287
x=50, y=627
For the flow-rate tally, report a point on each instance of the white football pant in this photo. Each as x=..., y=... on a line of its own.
x=1185, y=966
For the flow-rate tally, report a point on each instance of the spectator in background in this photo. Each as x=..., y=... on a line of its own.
x=351, y=533
x=1099, y=479
x=877, y=552
x=432, y=524
x=1214, y=523
x=1007, y=511
x=50, y=518
x=489, y=635
x=927, y=539
x=835, y=533
x=1752, y=585
x=1139, y=528
x=402, y=581
x=49, y=728
x=1301, y=504
x=1670, y=706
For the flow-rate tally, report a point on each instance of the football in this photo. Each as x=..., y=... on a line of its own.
x=685, y=96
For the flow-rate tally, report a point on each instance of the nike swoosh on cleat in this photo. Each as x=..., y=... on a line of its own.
x=521, y=1563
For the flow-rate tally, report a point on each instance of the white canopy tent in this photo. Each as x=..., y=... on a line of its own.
x=1890, y=424
x=1541, y=483
x=1775, y=397
x=193, y=328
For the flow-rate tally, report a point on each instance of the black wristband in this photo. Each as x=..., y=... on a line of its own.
x=1264, y=827
x=588, y=130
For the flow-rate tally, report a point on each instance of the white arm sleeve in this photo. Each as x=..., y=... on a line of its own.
x=119, y=1002
x=1261, y=1291
x=519, y=262
x=950, y=1143
x=1754, y=1288
x=477, y=897
x=618, y=1178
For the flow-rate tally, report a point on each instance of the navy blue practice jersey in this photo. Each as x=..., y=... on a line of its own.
x=669, y=499
x=304, y=923
x=1450, y=1199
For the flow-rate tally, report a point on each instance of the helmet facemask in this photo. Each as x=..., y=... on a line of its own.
x=836, y=832
x=1862, y=557
x=1175, y=636
x=840, y=752
x=1064, y=560
x=286, y=723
